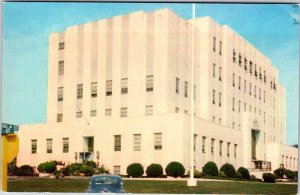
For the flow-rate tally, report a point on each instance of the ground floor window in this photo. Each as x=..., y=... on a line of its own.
x=117, y=142
x=49, y=145
x=65, y=145
x=157, y=141
x=117, y=170
x=33, y=146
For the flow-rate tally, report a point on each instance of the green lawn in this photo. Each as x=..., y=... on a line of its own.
x=135, y=186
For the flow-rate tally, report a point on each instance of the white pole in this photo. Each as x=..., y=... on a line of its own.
x=192, y=181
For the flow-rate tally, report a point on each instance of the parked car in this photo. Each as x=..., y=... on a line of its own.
x=106, y=183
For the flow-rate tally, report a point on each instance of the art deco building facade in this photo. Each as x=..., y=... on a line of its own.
x=119, y=91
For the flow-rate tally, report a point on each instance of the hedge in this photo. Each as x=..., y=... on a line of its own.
x=175, y=169
x=228, y=170
x=210, y=168
x=135, y=170
x=154, y=170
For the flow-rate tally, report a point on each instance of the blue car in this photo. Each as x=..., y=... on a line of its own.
x=106, y=184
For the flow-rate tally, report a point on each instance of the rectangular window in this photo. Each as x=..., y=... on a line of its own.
x=195, y=142
x=239, y=108
x=220, y=147
x=49, y=146
x=203, y=144
x=59, y=118
x=33, y=146
x=78, y=114
x=235, y=150
x=195, y=90
x=220, y=47
x=245, y=107
x=60, y=67
x=149, y=83
x=107, y=112
x=259, y=94
x=123, y=112
x=149, y=110
x=250, y=69
x=61, y=45
x=186, y=85
x=136, y=142
x=233, y=55
x=214, y=70
x=213, y=96
x=245, y=86
x=220, y=73
x=249, y=88
x=228, y=149
x=117, y=170
x=117, y=142
x=264, y=96
x=176, y=109
x=157, y=141
x=255, y=91
x=245, y=64
x=124, y=86
x=65, y=145
x=220, y=99
x=233, y=104
x=233, y=79
x=94, y=89
x=240, y=59
x=79, y=91
x=60, y=94
x=212, y=149
x=93, y=113
x=239, y=83
x=177, y=86
x=108, y=87
x=214, y=43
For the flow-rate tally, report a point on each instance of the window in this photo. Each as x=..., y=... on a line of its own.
x=123, y=112
x=214, y=70
x=157, y=141
x=149, y=110
x=59, y=118
x=203, y=144
x=220, y=99
x=214, y=96
x=60, y=94
x=124, y=86
x=186, y=85
x=214, y=119
x=212, y=149
x=235, y=150
x=94, y=89
x=255, y=91
x=220, y=47
x=60, y=67
x=93, y=113
x=239, y=83
x=79, y=91
x=61, y=45
x=136, y=142
x=233, y=104
x=107, y=112
x=78, y=114
x=177, y=86
x=185, y=111
x=250, y=69
x=49, y=146
x=228, y=149
x=233, y=55
x=195, y=142
x=220, y=73
x=117, y=170
x=249, y=88
x=264, y=96
x=220, y=147
x=259, y=94
x=265, y=77
x=65, y=145
x=240, y=59
x=33, y=146
x=214, y=43
x=245, y=107
x=245, y=86
x=195, y=92
x=245, y=64
x=255, y=72
x=233, y=125
x=239, y=108
x=260, y=75
x=149, y=83
x=220, y=120
x=117, y=142
x=233, y=79
x=176, y=109
x=108, y=87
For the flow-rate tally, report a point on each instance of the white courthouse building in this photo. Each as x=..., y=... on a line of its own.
x=119, y=92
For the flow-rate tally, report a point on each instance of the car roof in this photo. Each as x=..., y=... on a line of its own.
x=106, y=176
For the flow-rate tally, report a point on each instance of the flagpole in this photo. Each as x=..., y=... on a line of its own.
x=191, y=181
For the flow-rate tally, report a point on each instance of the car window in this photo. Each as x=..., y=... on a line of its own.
x=110, y=181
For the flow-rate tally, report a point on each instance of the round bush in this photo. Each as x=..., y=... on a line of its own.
x=25, y=170
x=252, y=177
x=269, y=177
x=290, y=174
x=197, y=174
x=47, y=167
x=175, y=169
x=280, y=172
x=154, y=170
x=210, y=168
x=228, y=169
x=244, y=172
x=135, y=170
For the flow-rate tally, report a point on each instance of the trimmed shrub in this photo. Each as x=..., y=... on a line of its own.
x=90, y=163
x=25, y=170
x=221, y=174
x=175, y=169
x=280, y=172
x=269, y=177
x=244, y=172
x=135, y=170
x=252, y=177
x=154, y=170
x=210, y=168
x=66, y=171
x=47, y=167
x=238, y=175
x=197, y=174
x=290, y=174
x=57, y=174
x=87, y=170
x=228, y=169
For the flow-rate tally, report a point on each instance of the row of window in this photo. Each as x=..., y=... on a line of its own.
x=288, y=161
x=215, y=45
x=49, y=142
x=186, y=88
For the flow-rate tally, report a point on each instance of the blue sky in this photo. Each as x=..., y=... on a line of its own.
x=26, y=27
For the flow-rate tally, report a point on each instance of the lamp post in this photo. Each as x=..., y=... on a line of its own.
x=191, y=181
